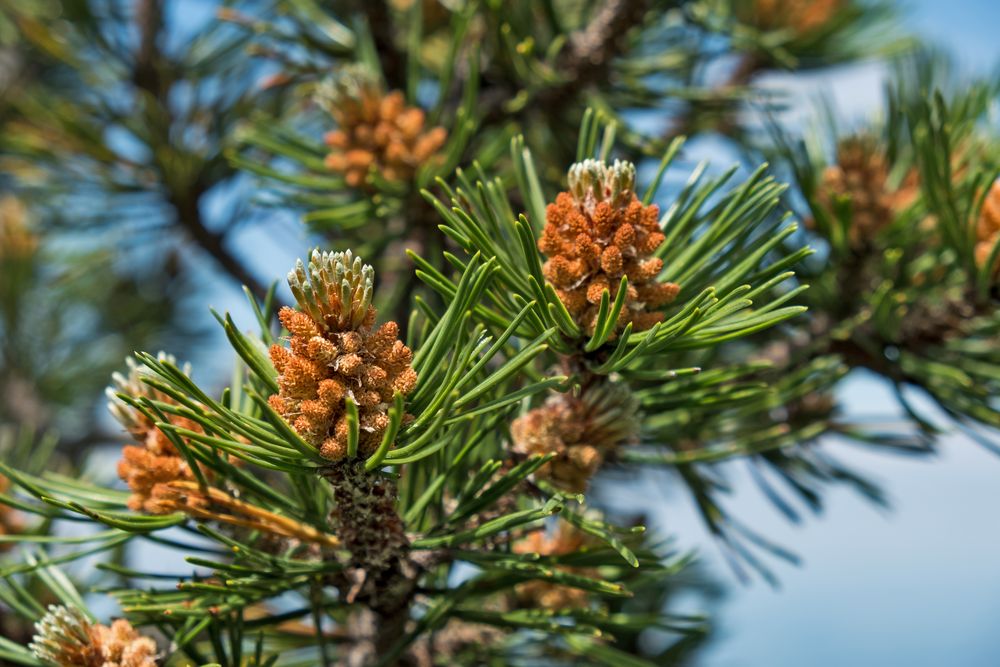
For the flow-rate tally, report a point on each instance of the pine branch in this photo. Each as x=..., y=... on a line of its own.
x=585, y=61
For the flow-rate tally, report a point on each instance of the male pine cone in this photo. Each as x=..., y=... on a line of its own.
x=799, y=16
x=988, y=228
x=540, y=594
x=335, y=354
x=65, y=636
x=598, y=232
x=581, y=431
x=376, y=130
x=861, y=179
x=151, y=465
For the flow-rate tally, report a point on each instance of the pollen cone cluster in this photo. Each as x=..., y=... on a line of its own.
x=65, y=636
x=154, y=463
x=335, y=353
x=582, y=431
x=376, y=130
x=861, y=180
x=598, y=232
x=988, y=228
x=544, y=594
x=17, y=240
x=799, y=16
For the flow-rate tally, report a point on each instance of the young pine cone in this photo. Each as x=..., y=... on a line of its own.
x=544, y=594
x=799, y=16
x=580, y=430
x=598, y=232
x=988, y=228
x=861, y=178
x=65, y=636
x=154, y=461
x=335, y=353
x=376, y=130
x=17, y=239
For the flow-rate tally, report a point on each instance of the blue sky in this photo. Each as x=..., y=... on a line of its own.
x=966, y=28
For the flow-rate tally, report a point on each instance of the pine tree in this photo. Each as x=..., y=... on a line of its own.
x=516, y=287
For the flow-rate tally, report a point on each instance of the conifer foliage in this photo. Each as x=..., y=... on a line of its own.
x=512, y=289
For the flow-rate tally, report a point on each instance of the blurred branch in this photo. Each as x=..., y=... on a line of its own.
x=189, y=217
x=585, y=61
x=380, y=24
x=149, y=21
x=148, y=76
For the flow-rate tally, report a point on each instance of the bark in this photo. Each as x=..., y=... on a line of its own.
x=380, y=575
x=587, y=58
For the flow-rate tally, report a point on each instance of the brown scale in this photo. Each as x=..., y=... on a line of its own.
x=592, y=244
x=378, y=130
x=320, y=368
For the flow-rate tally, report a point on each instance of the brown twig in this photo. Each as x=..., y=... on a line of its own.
x=586, y=59
x=190, y=219
x=148, y=75
x=380, y=23
x=246, y=515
